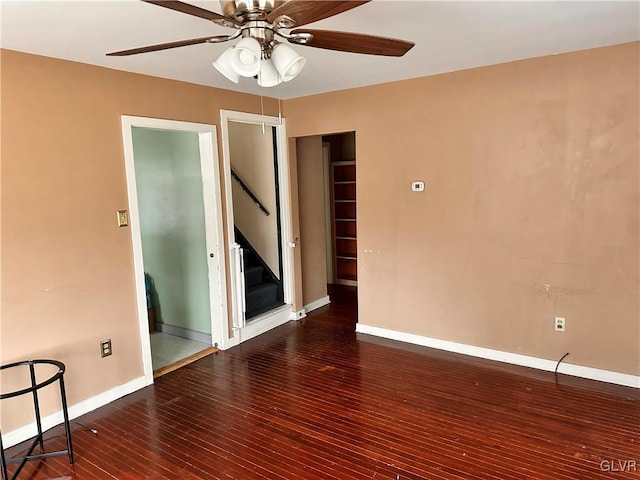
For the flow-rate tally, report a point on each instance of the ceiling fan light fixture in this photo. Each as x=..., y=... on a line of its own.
x=287, y=62
x=224, y=66
x=259, y=21
x=268, y=75
x=245, y=58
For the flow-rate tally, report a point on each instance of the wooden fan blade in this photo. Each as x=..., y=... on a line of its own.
x=165, y=46
x=307, y=11
x=195, y=11
x=353, y=42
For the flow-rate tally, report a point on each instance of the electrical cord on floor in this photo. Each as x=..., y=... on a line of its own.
x=558, y=364
x=93, y=430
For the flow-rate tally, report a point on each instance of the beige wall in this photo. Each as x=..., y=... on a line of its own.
x=67, y=270
x=251, y=154
x=312, y=218
x=530, y=208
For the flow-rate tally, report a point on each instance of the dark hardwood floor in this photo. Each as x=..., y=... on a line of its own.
x=313, y=400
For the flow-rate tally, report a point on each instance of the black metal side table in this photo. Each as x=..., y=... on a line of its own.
x=33, y=390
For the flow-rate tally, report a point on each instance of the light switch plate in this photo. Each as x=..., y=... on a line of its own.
x=123, y=218
x=417, y=186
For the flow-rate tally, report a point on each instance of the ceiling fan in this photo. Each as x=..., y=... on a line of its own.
x=259, y=22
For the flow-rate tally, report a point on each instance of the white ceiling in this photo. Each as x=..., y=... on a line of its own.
x=449, y=36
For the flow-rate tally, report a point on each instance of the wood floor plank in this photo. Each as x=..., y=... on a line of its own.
x=314, y=400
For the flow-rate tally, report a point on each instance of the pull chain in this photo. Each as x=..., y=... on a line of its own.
x=262, y=110
x=279, y=110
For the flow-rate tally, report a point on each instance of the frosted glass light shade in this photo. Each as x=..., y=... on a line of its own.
x=287, y=61
x=268, y=75
x=245, y=58
x=223, y=65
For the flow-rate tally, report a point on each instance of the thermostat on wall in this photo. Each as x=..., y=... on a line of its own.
x=417, y=186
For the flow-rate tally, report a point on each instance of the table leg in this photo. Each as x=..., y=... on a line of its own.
x=36, y=404
x=65, y=412
x=3, y=467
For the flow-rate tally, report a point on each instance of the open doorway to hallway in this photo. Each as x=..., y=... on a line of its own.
x=328, y=217
x=172, y=226
x=176, y=232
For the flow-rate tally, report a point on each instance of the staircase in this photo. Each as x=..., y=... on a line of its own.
x=263, y=291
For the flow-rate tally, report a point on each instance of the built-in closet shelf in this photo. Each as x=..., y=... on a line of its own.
x=346, y=270
x=344, y=226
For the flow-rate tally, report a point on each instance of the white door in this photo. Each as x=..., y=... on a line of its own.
x=176, y=227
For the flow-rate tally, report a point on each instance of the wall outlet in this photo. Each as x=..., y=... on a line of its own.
x=105, y=348
x=559, y=325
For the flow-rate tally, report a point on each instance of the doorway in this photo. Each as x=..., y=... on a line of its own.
x=257, y=214
x=258, y=218
x=176, y=228
x=327, y=202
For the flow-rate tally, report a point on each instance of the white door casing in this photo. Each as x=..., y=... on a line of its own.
x=212, y=201
x=283, y=314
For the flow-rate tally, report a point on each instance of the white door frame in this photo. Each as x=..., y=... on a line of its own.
x=285, y=313
x=212, y=199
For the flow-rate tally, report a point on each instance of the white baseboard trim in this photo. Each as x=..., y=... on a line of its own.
x=85, y=406
x=184, y=333
x=506, y=357
x=321, y=302
x=299, y=315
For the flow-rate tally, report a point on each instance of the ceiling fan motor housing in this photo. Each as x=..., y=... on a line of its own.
x=247, y=10
x=262, y=32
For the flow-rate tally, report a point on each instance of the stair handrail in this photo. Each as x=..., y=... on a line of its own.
x=248, y=191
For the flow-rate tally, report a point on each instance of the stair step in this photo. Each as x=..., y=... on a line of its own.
x=263, y=309
x=258, y=296
x=250, y=259
x=253, y=275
